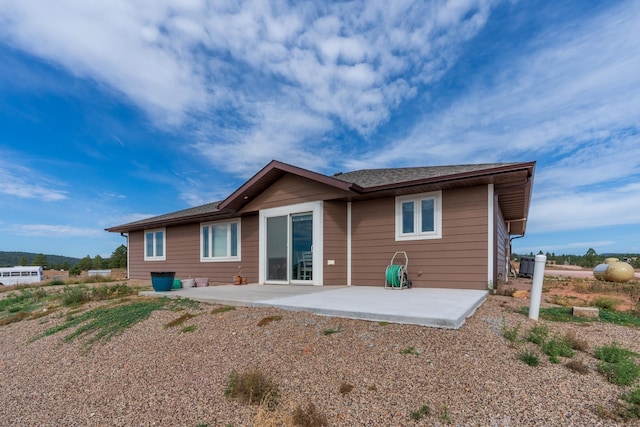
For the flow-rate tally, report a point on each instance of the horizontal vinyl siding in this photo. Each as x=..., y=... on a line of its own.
x=291, y=190
x=458, y=260
x=502, y=247
x=183, y=255
x=335, y=243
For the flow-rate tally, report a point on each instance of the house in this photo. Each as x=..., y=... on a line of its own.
x=289, y=225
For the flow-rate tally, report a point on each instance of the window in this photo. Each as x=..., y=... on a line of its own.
x=220, y=241
x=419, y=216
x=154, y=245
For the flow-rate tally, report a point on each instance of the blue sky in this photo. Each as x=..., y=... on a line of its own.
x=116, y=110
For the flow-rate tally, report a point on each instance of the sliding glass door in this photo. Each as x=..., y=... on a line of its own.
x=301, y=266
x=287, y=244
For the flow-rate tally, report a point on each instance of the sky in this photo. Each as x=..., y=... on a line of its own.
x=116, y=110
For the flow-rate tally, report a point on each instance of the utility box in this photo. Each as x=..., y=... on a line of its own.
x=527, y=265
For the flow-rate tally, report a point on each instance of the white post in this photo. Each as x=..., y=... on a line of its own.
x=536, y=287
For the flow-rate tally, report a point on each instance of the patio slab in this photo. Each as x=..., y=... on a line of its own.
x=441, y=308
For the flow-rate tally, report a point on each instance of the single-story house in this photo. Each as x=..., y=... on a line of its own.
x=289, y=225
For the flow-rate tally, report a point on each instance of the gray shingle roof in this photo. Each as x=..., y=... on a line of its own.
x=197, y=211
x=367, y=178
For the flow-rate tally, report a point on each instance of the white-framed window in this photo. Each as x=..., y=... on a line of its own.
x=220, y=241
x=419, y=216
x=155, y=245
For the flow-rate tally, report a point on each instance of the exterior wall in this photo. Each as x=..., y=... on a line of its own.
x=335, y=243
x=290, y=190
x=502, y=247
x=457, y=260
x=183, y=255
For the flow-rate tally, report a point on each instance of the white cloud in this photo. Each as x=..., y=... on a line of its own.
x=340, y=63
x=571, y=86
x=19, y=181
x=569, y=210
x=46, y=230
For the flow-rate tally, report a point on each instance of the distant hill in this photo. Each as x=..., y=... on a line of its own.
x=9, y=259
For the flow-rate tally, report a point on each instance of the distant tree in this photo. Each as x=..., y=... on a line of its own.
x=40, y=260
x=97, y=263
x=85, y=264
x=64, y=266
x=23, y=261
x=75, y=270
x=590, y=259
x=118, y=257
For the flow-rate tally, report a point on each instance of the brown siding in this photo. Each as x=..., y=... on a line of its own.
x=457, y=260
x=501, y=245
x=335, y=243
x=290, y=190
x=183, y=255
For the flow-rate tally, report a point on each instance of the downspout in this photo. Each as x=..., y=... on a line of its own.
x=348, y=243
x=126, y=236
x=491, y=237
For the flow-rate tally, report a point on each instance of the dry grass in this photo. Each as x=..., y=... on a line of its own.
x=266, y=320
x=290, y=416
x=345, y=388
x=576, y=343
x=180, y=320
x=252, y=387
x=577, y=366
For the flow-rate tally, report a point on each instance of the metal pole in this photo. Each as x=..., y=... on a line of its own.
x=536, y=287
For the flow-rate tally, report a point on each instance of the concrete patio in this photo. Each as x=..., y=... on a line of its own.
x=440, y=308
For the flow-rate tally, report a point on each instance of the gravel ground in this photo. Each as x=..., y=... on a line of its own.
x=152, y=375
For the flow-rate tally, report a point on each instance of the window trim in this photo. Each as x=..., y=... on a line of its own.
x=154, y=257
x=227, y=258
x=436, y=196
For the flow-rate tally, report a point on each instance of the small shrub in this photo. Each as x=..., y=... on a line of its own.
x=56, y=282
x=606, y=303
x=511, y=334
x=529, y=357
x=266, y=320
x=345, y=388
x=308, y=416
x=613, y=353
x=75, y=295
x=617, y=364
x=331, y=331
x=625, y=372
x=372, y=387
x=106, y=292
x=557, y=346
x=189, y=328
x=445, y=415
x=577, y=366
x=252, y=387
x=538, y=334
x=632, y=399
x=223, y=309
x=383, y=323
x=410, y=350
x=422, y=412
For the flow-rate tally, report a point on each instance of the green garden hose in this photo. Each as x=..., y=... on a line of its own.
x=394, y=275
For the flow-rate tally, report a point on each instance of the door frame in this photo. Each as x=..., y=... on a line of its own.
x=316, y=208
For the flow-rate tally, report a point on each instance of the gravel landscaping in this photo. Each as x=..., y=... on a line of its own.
x=356, y=373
